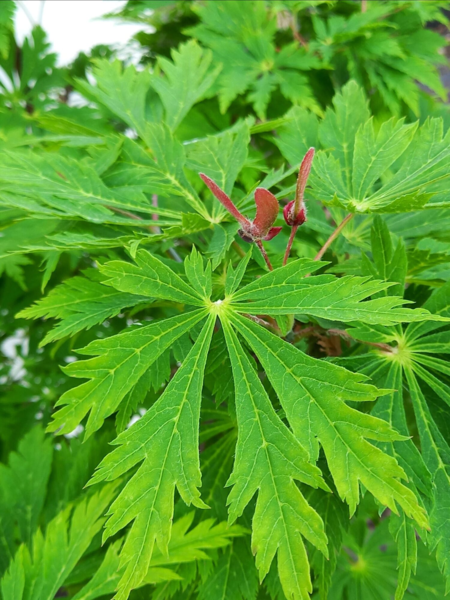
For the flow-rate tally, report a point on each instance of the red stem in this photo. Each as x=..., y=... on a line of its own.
x=264, y=253
x=289, y=244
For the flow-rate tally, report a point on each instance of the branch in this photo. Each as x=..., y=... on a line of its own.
x=345, y=335
x=333, y=236
x=269, y=326
x=316, y=331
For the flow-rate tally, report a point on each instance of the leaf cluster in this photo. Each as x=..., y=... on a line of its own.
x=186, y=414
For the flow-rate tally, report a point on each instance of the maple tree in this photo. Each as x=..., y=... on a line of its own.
x=225, y=307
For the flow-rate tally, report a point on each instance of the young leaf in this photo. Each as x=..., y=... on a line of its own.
x=199, y=276
x=234, y=276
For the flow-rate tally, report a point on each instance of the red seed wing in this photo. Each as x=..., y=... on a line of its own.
x=266, y=211
x=273, y=231
x=303, y=174
x=224, y=199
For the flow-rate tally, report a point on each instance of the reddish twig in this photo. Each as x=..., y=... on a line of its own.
x=264, y=253
x=333, y=236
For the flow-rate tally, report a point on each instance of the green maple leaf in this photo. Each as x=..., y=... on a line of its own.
x=241, y=37
x=41, y=572
x=54, y=186
x=418, y=158
x=122, y=91
x=269, y=459
x=22, y=496
x=265, y=444
x=186, y=80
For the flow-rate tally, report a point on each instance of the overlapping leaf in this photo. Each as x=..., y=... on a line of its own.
x=317, y=416
x=412, y=362
x=186, y=545
x=147, y=499
x=285, y=291
x=56, y=186
x=186, y=80
x=41, y=572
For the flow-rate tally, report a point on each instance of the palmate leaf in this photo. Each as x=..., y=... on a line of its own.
x=336, y=522
x=404, y=534
x=57, y=186
x=285, y=291
x=390, y=408
x=436, y=451
x=366, y=569
x=241, y=37
x=165, y=441
x=23, y=485
x=120, y=362
x=186, y=545
x=297, y=135
x=221, y=158
x=122, y=91
x=356, y=158
x=412, y=364
x=151, y=277
x=234, y=576
x=186, y=80
x=162, y=173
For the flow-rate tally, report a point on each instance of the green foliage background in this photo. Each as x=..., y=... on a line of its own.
x=238, y=433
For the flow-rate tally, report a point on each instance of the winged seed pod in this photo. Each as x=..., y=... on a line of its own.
x=260, y=228
x=295, y=211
